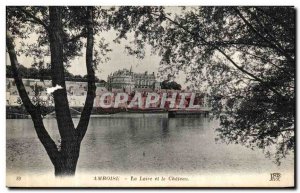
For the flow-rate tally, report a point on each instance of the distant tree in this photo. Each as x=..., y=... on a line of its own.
x=102, y=81
x=164, y=84
x=45, y=74
x=174, y=85
x=77, y=77
x=85, y=78
x=170, y=85
x=243, y=57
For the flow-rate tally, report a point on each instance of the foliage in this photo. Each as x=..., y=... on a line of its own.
x=29, y=23
x=243, y=57
x=170, y=85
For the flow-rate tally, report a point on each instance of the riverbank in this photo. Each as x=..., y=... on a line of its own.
x=19, y=112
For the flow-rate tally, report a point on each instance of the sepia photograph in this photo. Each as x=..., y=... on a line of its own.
x=150, y=96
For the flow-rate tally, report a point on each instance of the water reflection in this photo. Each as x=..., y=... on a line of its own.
x=165, y=127
x=138, y=144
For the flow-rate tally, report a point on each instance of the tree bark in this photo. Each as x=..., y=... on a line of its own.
x=70, y=137
x=65, y=159
x=62, y=111
x=67, y=162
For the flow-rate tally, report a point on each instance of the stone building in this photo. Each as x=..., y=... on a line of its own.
x=128, y=81
x=76, y=91
x=121, y=80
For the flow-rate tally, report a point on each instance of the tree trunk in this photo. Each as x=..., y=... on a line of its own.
x=67, y=161
x=62, y=111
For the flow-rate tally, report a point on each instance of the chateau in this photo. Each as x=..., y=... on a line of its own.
x=128, y=81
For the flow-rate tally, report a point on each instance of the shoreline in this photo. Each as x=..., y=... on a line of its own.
x=48, y=113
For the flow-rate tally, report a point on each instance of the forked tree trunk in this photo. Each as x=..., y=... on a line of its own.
x=70, y=137
x=64, y=159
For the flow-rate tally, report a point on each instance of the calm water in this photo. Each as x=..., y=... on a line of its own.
x=137, y=144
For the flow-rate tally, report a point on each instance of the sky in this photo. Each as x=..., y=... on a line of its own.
x=119, y=58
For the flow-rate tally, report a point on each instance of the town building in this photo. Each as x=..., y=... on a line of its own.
x=127, y=81
x=76, y=91
x=120, y=81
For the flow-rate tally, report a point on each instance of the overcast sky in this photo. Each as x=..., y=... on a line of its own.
x=119, y=58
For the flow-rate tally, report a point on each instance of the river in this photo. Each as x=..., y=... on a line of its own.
x=140, y=144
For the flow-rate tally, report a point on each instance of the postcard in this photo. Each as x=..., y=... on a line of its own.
x=150, y=96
